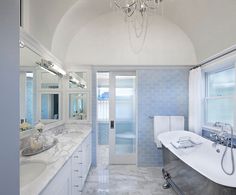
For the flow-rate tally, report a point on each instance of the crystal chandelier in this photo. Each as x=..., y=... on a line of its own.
x=136, y=15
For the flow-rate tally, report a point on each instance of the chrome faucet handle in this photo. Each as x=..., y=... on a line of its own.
x=214, y=136
x=218, y=124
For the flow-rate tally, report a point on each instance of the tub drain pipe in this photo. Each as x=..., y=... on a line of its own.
x=169, y=183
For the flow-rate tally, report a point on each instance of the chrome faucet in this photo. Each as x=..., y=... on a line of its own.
x=221, y=137
x=225, y=139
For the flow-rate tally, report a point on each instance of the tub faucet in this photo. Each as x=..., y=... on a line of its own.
x=222, y=137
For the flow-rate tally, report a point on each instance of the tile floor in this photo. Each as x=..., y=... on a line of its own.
x=123, y=179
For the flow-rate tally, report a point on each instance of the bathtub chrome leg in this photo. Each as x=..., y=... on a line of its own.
x=169, y=183
x=166, y=176
x=166, y=185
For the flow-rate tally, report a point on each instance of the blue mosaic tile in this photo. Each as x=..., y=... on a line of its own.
x=160, y=92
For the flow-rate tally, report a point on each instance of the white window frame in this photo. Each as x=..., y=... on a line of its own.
x=206, y=97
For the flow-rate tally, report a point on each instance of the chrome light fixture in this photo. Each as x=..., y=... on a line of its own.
x=136, y=14
x=51, y=68
x=76, y=80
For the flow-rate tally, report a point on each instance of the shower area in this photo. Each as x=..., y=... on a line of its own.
x=116, y=118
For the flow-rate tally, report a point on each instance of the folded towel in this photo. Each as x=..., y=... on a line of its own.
x=161, y=124
x=176, y=123
x=185, y=142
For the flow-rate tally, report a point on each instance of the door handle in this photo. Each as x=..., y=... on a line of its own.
x=112, y=125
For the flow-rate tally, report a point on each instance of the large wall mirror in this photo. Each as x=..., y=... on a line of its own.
x=28, y=97
x=49, y=81
x=78, y=106
x=39, y=91
x=78, y=80
x=50, y=106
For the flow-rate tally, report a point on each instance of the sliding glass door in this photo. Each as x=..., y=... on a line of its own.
x=122, y=116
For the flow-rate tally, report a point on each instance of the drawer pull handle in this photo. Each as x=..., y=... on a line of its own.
x=76, y=186
x=76, y=156
x=76, y=170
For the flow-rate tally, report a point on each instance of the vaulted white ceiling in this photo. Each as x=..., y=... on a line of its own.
x=68, y=28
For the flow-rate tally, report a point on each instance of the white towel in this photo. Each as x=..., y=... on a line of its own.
x=161, y=124
x=176, y=123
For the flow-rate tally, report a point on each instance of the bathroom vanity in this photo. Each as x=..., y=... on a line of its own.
x=61, y=170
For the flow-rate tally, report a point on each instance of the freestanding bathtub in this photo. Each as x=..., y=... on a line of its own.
x=197, y=170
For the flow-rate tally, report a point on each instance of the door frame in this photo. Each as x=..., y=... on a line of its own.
x=98, y=69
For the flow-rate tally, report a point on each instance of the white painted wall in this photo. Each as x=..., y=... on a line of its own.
x=105, y=41
x=9, y=97
x=210, y=24
x=42, y=18
x=78, y=16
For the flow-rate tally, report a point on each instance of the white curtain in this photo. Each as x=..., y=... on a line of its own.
x=195, y=101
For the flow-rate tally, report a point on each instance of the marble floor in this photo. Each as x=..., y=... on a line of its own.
x=108, y=179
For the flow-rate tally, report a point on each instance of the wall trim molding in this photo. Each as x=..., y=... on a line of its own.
x=139, y=67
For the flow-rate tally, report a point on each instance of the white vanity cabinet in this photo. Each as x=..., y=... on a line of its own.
x=77, y=171
x=61, y=183
x=86, y=159
x=81, y=162
x=71, y=177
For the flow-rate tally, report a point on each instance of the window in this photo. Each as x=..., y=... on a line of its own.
x=103, y=96
x=220, y=94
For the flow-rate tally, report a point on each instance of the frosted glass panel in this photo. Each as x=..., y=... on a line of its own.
x=221, y=110
x=125, y=114
x=221, y=83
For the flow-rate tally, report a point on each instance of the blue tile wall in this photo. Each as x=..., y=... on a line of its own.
x=160, y=92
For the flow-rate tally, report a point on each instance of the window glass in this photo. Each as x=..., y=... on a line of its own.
x=220, y=99
x=220, y=110
x=221, y=83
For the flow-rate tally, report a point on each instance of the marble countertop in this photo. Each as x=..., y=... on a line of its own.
x=54, y=158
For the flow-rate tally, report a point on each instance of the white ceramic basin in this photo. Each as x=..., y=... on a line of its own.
x=73, y=134
x=29, y=171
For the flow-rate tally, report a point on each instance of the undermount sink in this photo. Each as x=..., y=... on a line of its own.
x=29, y=171
x=73, y=134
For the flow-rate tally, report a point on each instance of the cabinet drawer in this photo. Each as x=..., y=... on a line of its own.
x=77, y=170
x=77, y=185
x=77, y=156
